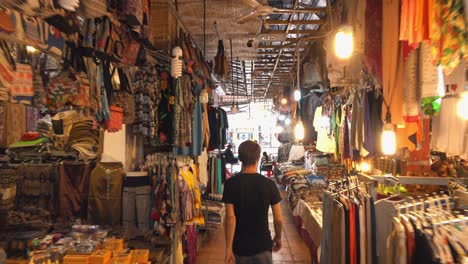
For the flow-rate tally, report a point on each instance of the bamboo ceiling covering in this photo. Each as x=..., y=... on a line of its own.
x=272, y=62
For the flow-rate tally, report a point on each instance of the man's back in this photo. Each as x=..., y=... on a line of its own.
x=251, y=194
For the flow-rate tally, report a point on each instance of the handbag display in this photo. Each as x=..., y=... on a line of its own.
x=131, y=48
x=68, y=89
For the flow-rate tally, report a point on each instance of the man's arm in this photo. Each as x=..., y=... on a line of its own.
x=229, y=229
x=278, y=224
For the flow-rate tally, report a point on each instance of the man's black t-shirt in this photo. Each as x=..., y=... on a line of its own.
x=251, y=195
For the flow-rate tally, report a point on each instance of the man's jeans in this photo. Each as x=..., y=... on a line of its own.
x=264, y=257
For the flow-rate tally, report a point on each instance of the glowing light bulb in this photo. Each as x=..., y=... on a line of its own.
x=31, y=49
x=297, y=95
x=287, y=121
x=176, y=62
x=344, y=42
x=299, y=130
x=284, y=101
x=388, y=139
x=365, y=167
x=462, y=107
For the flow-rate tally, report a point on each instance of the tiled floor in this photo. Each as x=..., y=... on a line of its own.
x=293, y=251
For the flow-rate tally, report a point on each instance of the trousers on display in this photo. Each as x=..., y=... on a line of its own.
x=73, y=183
x=105, y=194
x=136, y=202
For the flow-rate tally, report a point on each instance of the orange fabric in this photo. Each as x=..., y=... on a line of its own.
x=392, y=63
x=414, y=21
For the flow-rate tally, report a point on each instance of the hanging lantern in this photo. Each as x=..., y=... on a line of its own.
x=176, y=62
x=388, y=139
x=344, y=42
x=299, y=130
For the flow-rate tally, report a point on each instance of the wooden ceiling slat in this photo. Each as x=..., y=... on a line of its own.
x=295, y=22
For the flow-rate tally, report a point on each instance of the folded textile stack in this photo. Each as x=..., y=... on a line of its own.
x=84, y=139
x=214, y=213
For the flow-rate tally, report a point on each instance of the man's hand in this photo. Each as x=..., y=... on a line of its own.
x=276, y=244
x=229, y=259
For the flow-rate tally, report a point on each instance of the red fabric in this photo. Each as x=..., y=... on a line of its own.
x=373, y=38
x=116, y=120
x=30, y=136
x=307, y=238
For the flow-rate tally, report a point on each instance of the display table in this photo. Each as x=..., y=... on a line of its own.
x=309, y=224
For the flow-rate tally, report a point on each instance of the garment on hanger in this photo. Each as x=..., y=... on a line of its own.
x=449, y=130
x=136, y=202
x=105, y=194
x=325, y=141
x=348, y=225
x=73, y=190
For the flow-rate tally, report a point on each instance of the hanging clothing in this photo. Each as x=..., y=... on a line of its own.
x=105, y=194
x=309, y=105
x=414, y=22
x=205, y=127
x=392, y=62
x=449, y=130
x=373, y=40
x=348, y=228
x=183, y=112
x=73, y=189
x=203, y=167
x=325, y=141
x=136, y=202
x=448, y=34
x=218, y=122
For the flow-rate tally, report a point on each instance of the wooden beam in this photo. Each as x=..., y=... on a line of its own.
x=295, y=22
x=301, y=10
x=277, y=47
x=264, y=52
x=292, y=31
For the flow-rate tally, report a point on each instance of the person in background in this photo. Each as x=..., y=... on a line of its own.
x=265, y=158
x=229, y=156
x=248, y=196
x=265, y=164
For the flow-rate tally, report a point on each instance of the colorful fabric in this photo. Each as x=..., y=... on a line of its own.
x=448, y=34
x=22, y=83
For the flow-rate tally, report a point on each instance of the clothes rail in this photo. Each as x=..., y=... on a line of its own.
x=432, y=201
x=463, y=219
x=418, y=180
x=348, y=189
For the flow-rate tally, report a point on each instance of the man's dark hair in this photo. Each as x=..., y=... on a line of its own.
x=249, y=152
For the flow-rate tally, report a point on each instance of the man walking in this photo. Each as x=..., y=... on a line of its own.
x=248, y=196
